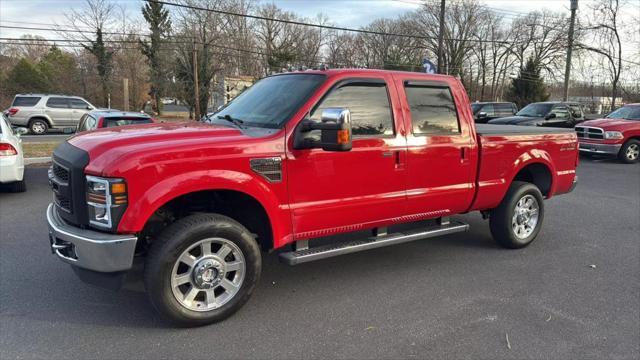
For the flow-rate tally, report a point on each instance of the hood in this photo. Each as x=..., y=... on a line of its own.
x=612, y=124
x=516, y=120
x=110, y=146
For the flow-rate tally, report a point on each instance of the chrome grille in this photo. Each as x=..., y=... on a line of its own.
x=585, y=132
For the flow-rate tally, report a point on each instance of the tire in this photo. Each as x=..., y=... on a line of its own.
x=187, y=238
x=38, y=126
x=510, y=230
x=18, y=186
x=630, y=152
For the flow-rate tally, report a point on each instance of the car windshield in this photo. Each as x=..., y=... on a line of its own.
x=626, y=112
x=475, y=107
x=535, y=110
x=114, y=122
x=270, y=102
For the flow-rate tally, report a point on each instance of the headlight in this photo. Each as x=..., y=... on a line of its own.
x=613, y=135
x=106, y=200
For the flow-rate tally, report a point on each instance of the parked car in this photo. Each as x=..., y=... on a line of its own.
x=167, y=101
x=295, y=157
x=551, y=113
x=618, y=134
x=111, y=118
x=41, y=112
x=11, y=156
x=485, y=111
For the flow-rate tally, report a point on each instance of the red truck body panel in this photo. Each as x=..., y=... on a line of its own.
x=381, y=181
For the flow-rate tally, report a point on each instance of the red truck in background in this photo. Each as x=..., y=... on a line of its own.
x=618, y=134
x=296, y=157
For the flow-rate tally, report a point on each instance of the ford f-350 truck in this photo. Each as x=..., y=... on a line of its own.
x=297, y=157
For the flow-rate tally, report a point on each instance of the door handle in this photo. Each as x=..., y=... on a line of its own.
x=387, y=154
x=464, y=153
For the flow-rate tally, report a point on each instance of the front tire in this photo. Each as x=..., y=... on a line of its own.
x=516, y=222
x=630, y=152
x=202, y=269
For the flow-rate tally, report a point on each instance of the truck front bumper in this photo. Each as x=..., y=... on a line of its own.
x=88, y=249
x=604, y=149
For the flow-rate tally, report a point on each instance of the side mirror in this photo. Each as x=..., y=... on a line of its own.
x=21, y=131
x=335, y=127
x=482, y=115
x=550, y=116
x=89, y=107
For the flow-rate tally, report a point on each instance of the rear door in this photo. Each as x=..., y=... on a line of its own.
x=440, y=162
x=59, y=111
x=333, y=192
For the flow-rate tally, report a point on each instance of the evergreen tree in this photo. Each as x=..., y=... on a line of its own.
x=104, y=57
x=25, y=78
x=159, y=25
x=528, y=87
x=61, y=72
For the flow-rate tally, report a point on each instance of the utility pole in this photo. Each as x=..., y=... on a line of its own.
x=441, y=38
x=567, y=69
x=195, y=79
x=125, y=94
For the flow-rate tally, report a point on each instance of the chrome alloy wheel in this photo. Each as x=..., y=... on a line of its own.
x=525, y=216
x=633, y=151
x=208, y=274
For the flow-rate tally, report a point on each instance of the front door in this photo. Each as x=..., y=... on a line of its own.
x=333, y=192
x=59, y=111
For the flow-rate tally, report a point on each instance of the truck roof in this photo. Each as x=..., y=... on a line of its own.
x=114, y=112
x=366, y=71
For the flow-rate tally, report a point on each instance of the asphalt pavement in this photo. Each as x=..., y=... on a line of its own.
x=573, y=294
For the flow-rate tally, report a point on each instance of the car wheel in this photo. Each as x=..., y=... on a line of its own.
x=202, y=269
x=38, y=127
x=516, y=222
x=18, y=186
x=630, y=151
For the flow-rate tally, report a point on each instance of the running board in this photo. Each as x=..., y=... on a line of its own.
x=331, y=250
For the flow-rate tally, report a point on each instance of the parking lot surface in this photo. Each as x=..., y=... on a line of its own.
x=574, y=293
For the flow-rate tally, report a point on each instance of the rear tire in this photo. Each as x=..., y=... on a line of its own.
x=18, y=186
x=192, y=286
x=516, y=222
x=38, y=126
x=630, y=152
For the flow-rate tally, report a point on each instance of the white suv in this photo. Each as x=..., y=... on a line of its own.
x=41, y=112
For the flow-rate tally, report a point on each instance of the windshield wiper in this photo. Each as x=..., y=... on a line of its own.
x=231, y=119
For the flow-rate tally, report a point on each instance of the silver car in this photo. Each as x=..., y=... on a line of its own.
x=41, y=112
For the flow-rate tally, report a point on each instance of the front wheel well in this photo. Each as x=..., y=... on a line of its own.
x=537, y=174
x=239, y=206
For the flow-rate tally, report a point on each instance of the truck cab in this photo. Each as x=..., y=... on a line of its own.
x=294, y=160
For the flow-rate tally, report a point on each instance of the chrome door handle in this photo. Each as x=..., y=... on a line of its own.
x=387, y=154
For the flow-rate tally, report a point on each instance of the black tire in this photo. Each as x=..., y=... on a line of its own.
x=631, y=146
x=177, y=238
x=38, y=126
x=18, y=186
x=502, y=217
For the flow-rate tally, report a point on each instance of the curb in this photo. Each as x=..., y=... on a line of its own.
x=37, y=160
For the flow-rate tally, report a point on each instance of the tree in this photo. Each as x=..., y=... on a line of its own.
x=97, y=15
x=25, y=78
x=60, y=70
x=528, y=87
x=159, y=25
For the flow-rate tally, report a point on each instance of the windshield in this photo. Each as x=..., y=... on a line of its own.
x=626, y=112
x=475, y=107
x=270, y=102
x=535, y=110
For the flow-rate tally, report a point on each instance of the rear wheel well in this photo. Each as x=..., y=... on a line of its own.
x=39, y=118
x=237, y=205
x=537, y=174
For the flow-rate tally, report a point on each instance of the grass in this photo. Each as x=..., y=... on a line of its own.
x=39, y=149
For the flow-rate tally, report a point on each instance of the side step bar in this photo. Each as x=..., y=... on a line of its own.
x=331, y=250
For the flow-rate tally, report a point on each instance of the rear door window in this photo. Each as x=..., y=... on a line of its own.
x=25, y=101
x=58, y=103
x=504, y=109
x=433, y=110
x=488, y=109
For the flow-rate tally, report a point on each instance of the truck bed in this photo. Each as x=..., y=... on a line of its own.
x=488, y=129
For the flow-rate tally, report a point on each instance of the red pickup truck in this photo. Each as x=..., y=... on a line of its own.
x=618, y=134
x=296, y=157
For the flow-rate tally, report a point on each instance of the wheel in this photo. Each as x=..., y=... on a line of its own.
x=516, y=222
x=630, y=151
x=202, y=269
x=18, y=186
x=38, y=126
